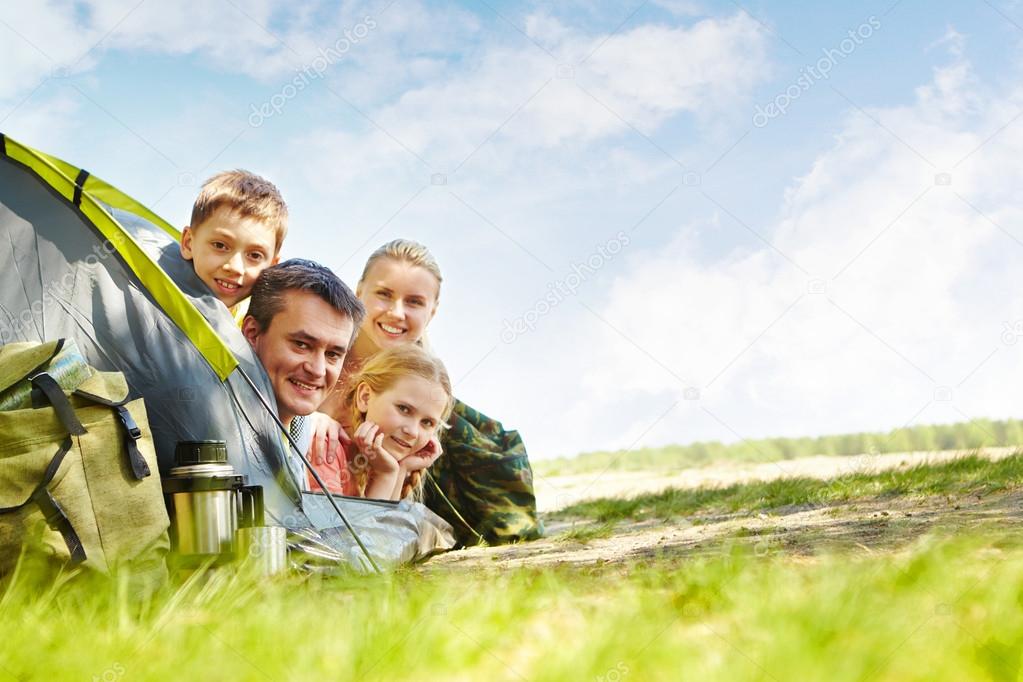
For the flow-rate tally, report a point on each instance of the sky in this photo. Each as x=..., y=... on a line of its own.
x=658, y=222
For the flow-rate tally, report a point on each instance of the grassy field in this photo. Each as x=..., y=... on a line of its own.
x=971, y=475
x=945, y=606
x=971, y=435
x=940, y=610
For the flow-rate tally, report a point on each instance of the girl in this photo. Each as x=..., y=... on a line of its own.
x=393, y=407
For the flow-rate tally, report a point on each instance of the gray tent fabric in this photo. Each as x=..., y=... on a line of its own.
x=421, y=533
x=60, y=279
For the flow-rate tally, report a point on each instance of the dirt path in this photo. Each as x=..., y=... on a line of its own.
x=868, y=526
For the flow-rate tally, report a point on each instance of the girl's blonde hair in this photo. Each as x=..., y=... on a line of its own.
x=380, y=373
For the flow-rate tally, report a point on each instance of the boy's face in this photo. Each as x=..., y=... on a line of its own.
x=228, y=252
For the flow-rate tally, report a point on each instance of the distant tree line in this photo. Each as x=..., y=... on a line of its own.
x=970, y=435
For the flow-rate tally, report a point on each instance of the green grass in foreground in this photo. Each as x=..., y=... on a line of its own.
x=940, y=610
x=966, y=475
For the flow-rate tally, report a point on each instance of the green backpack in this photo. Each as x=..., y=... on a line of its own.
x=79, y=483
x=483, y=484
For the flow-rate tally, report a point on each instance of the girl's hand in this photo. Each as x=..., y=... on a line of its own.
x=424, y=458
x=329, y=440
x=370, y=443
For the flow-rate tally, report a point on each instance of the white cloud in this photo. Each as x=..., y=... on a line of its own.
x=535, y=177
x=519, y=99
x=38, y=121
x=35, y=42
x=653, y=72
x=236, y=37
x=913, y=304
x=265, y=40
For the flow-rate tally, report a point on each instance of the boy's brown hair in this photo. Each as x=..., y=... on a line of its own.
x=246, y=193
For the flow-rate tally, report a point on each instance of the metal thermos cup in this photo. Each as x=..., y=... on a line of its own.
x=263, y=549
x=204, y=496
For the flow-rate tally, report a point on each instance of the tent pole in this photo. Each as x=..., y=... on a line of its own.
x=309, y=466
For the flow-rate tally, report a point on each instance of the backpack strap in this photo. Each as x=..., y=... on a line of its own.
x=132, y=433
x=55, y=516
x=54, y=395
x=49, y=391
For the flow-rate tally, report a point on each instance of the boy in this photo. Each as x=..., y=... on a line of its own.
x=238, y=224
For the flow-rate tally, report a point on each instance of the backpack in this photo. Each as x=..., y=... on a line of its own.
x=79, y=483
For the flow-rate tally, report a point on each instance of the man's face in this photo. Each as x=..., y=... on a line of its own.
x=302, y=351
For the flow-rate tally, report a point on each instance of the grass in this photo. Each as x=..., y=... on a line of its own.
x=944, y=607
x=971, y=435
x=941, y=610
x=963, y=476
x=586, y=532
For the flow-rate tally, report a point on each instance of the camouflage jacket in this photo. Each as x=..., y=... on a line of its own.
x=485, y=475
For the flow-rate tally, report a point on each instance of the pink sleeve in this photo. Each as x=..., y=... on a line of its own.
x=335, y=475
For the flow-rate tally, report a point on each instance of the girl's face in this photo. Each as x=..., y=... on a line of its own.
x=400, y=300
x=408, y=413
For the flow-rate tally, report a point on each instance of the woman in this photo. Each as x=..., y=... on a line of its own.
x=483, y=485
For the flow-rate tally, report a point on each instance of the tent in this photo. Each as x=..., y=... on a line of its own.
x=80, y=259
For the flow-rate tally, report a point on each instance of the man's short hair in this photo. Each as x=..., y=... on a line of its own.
x=298, y=274
x=247, y=194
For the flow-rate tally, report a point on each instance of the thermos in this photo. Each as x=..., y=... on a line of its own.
x=208, y=503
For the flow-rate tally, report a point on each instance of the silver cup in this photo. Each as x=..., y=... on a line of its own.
x=262, y=549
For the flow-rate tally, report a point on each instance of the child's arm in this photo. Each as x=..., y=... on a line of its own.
x=381, y=486
x=383, y=468
x=417, y=461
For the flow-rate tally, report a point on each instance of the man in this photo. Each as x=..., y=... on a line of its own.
x=301, y=322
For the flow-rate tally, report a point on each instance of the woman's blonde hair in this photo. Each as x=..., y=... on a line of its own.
x=406, y=251
x=380, y=373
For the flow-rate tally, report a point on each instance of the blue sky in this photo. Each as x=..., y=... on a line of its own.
x=845, y=265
